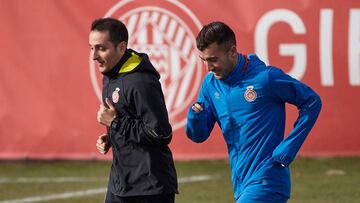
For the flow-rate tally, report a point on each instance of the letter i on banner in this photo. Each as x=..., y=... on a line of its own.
x=326, y=58
x=354, y=47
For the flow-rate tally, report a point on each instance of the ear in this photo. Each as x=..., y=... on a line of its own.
x=233, y=51
x=121, y=47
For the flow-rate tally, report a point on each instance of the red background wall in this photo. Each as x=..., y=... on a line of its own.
x=48, y=103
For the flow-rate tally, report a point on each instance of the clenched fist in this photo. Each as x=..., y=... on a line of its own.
x=106, y=113
x=103, y=144
x=197, y=107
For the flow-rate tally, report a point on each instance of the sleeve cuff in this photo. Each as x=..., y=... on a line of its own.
x=283, y=160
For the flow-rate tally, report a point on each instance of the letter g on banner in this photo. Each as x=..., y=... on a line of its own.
x=296, y=50
x=165, y=30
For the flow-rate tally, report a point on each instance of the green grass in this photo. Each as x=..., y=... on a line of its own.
x=312, y=183
x=332, y=180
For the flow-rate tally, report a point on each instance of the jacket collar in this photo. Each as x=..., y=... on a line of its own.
x=115, y=71
x=237, y=72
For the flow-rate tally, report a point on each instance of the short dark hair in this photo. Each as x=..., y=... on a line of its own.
x=117, y=30
x=217, y=32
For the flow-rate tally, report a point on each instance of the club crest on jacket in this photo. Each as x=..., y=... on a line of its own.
x=250, y=94
x=115, y=95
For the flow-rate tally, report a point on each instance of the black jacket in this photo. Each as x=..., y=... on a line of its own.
x=139, y=136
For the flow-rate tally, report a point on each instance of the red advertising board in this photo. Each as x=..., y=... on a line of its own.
x=50, y=89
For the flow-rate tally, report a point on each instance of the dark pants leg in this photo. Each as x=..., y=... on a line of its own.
x=165, y=198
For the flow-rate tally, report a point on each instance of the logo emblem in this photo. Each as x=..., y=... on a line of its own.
x=165, y=30
x=115, y=95
x=250, y=94
x=217, y=95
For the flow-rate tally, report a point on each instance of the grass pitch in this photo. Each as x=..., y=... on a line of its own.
x=331, y=180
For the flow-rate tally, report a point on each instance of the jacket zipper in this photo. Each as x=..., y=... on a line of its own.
x=232, y=131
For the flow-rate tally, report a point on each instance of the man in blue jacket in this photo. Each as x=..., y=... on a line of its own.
x=247, y=99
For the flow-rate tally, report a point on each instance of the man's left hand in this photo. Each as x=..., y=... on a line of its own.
x=106, y=113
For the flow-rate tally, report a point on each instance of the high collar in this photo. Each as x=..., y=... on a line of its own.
x=115, y=71
x=236, y=73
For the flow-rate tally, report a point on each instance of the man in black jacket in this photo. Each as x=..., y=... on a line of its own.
x=135, y=115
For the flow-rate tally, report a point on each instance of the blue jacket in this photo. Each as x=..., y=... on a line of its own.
x=249, y=106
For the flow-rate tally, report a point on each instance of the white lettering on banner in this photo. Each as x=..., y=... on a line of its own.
x=297, y=50
x=299, y=53
x=354, y=47
x=326, y=57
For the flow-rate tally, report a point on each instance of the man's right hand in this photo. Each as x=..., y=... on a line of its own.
x=103, y=144
x=197, y=107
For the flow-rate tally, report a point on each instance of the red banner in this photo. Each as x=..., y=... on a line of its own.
x=50, y=89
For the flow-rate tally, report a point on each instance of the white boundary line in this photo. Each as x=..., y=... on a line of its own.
x=65, y=195
x=50, y=179
x=82, y=193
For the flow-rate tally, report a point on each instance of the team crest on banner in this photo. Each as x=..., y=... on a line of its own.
x=166, y=31
x=250, y=94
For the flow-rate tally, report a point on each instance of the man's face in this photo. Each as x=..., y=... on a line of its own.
x=104, y=52
x=218, y=60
